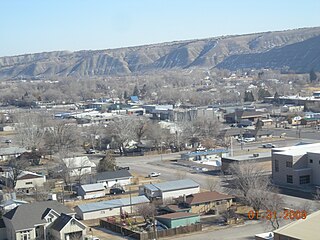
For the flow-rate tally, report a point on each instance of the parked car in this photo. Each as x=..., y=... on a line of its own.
x=117, y=191
x=268, y=145
x=8, y=141
x=154, y=174
x=91, y=151
x=249, y=139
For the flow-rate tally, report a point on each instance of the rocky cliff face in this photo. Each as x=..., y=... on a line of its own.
x=297, y=50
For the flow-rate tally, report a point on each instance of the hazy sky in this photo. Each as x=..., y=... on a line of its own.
x=29, y=26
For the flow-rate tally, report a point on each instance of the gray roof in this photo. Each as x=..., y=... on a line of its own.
x=12, y=150
x=110, y=175
x=173, y=185
x=92, y=187
x=27, y=216
x=60, y=222
x=115, y=203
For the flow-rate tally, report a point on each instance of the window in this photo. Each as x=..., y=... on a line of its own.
x=28, y=183
x=289, y=179
x=276, y=165
x=319, y=161
x=25, y=235
x=304, y=179
x=49, y=220
x=289, y=164
x=310, y=160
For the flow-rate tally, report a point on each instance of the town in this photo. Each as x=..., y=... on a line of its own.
x=129, y=167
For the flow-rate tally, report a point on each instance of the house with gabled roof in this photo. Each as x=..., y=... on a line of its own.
x=88, y=191
x=204, y=202
x=66, y=225
x=119, y=177
x=34, y=220
x=169, y=190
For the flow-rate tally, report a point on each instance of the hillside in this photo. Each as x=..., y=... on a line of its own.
x=298, y=50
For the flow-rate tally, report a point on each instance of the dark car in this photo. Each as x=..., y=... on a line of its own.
x=116, y=191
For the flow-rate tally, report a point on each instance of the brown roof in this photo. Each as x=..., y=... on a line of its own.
x=177, y=215
x=29, y=176
x=207, y=197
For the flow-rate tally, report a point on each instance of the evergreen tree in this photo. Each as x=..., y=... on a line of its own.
x=108, y=163
x=248, y=96
x=135, y=91
x=313, y=76
x=125, y=95
x=263, y=93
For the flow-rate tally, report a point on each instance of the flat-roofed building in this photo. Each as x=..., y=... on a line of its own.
x=296, y=166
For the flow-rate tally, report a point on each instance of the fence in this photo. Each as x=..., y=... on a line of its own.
x=150, y=235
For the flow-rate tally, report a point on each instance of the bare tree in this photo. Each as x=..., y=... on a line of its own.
x=250, y=183
x=61, y=137
x=213, y=184
x=140, y=125
x=16, y=167
x=122, y=131
x=31, y=129
x=147, y=211
x=274, y=205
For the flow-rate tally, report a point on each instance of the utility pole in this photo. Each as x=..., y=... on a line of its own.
x=154, y=227
x=130, y=201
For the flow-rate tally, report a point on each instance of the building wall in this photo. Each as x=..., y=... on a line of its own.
x=20, y=234
x=278, y=236
x=315, y=166
x=3, y=233
x=101, y=213
x=69, y=228
x=30, y=183
x=95, y=194
x=178, y=193
x=173, y=223
x=203, y=208
x=122, y=182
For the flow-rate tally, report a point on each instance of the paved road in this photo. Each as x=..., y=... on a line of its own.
x=241, y=232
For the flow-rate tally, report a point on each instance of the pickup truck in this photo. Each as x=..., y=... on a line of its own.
x=268, y=145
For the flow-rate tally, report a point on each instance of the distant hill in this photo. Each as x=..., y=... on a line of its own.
x=297, y=50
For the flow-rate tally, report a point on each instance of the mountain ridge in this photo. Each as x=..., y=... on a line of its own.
x=229, y=52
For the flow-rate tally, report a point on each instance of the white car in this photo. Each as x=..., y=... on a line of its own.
x=268, y=145
x=154, y=174
x=249, y=139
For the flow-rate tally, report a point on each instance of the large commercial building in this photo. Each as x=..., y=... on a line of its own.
x=296, y=166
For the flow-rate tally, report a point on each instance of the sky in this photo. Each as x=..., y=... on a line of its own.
x=53, y=25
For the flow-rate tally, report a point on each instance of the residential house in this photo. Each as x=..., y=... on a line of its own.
x=10, y=153
x=67, y=227
x=6, y=128
x=306, y=228
x=109, y=208
x=89, y=191
x=78, y=166
x=214, y=154
x=169, y=190
x=204, y=202
x=28, y=180
x=33, y=220
x=178, y=219
x=296, y=166
x=110, y=178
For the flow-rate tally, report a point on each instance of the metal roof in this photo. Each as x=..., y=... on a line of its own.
x=110, y=175
x=172, y=185
x=207, y=152
x=115, y=203
x=92, y=187
x=12, y=150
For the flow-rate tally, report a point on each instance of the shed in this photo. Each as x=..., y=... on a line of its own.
x=178, y=219
x=94, y=190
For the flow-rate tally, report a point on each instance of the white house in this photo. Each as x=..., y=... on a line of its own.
x=120, y=177
x=109, y=208
x=34, y=221
x=27, y=180
x=89, y=191
x=79, y=165
x=10, y=204
x=169, y=190
x=11, y=152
